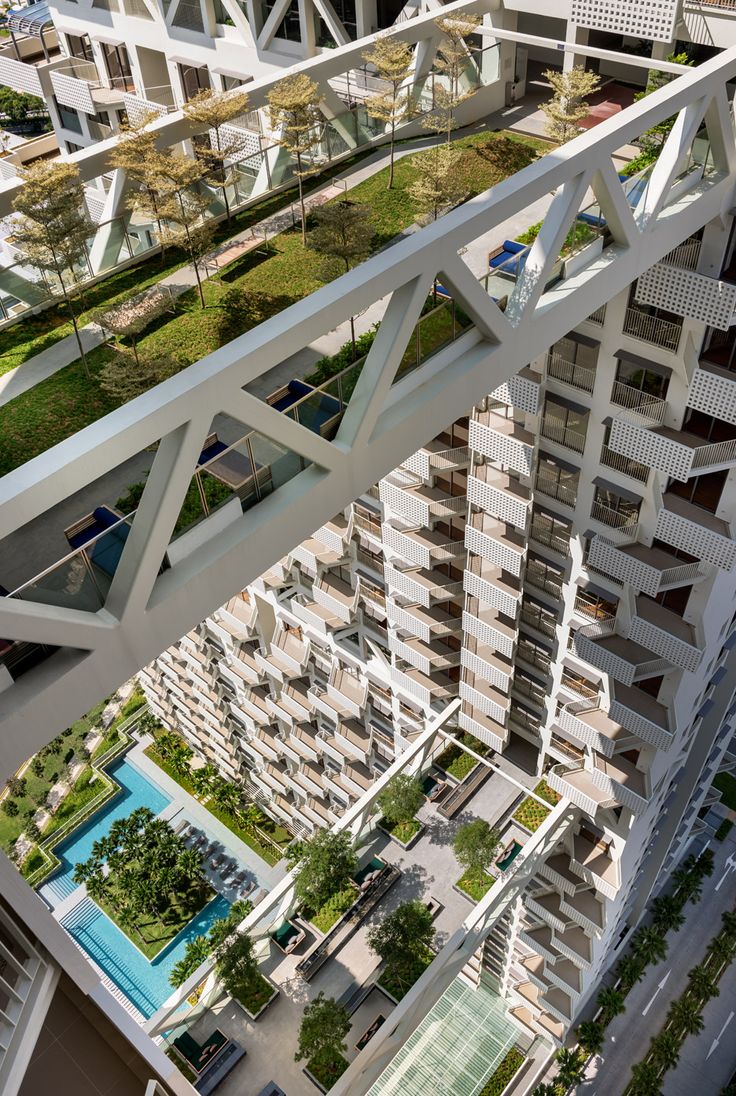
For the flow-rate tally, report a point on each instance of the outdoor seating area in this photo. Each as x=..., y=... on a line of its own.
x=108, y=546
x=211, y=1060
x=288, y=937
x=232, y=467
x=320, y=414
x=218, y=863
x=509, y=259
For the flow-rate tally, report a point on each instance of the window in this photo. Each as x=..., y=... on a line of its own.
x=79, y=46
x=118, y=67
x=635, y=375
x=289, y=28
x=591, y=604
x=69, y=118
x=557, y=480
x=565, y=423
x=704, y=491
x=193, y=80
x=614, y=509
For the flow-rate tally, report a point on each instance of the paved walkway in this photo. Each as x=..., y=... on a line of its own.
x=628, y=1035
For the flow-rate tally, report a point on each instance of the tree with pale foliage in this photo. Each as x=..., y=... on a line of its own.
x=136, y=154
x=124, y=377
x=475, y=846
x=436, y=188
x=567, y=107
x=184, y=209
x=293, y=107
x=392, y=60
x=344, y=234
x=131, y=317
x=52, y=229
x=451, y=61
x=226, y=142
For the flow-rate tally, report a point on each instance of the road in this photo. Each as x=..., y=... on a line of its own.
x=628, y=1035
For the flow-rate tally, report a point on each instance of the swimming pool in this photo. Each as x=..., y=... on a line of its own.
x=144, y=983
x=137, y=791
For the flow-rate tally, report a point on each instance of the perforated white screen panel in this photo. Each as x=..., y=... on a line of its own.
x=646, y=19
x=688, y=294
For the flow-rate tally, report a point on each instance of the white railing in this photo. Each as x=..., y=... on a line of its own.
x=556, y=488
x=575, y=375
x=563, y=435
x=614, y=519
x=686, y=254
x=638, y=404
x=144, y=610
x=651, y=329
x=720, y=452
x=625, y=465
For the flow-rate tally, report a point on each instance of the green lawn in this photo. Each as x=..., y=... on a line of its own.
x=256, y=995
x=503, y=1073
x=532, y=814
x=65, y=403
x=150, y=935
x=52, y=758
x=402, y=831
x=281, y=836
x=332, y=910
x=475, y=887
x=399, y=984
x=726, y=785
x=87, y=788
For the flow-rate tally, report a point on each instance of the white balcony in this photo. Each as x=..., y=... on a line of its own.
x=253, y=704
x=425, y=587
x=348, y=692
x=485, y=664
x=595, y=865
x=641, y=715
x=521, y=391
x=665, y=633
x=310, y=778
x=273, y=666
x=541, y=1024
x=652, y=329
x=622, y=780
x=318, y=617
x=624, y=659
x=589, y=724
x=558, y=872
x=335, y=534
x=489, y=586
x=425, y=624
x=291, y=650
x=422, y=547
x=423, y=688
x=238, y=617
x=575, y=783
x=491, y=629
x=420, y=504
x=687, y=293
x=575, y=946
x=696, y=531
x=676, y=452
x=312, y=554
x=336, y=596
x=303, y=740
x=541, y=942
x=437, y=458
x=77, y=84
x=500, y=495
x=560, y=368
x=484, y=698
x=496, y=543
x=483, y=727
x=586, y=910
x=357, y=778
x=548, y=908
x=503, y=440
x=426, y=657
x=636, y=406
x=330, y=707
x=566, y=976
x=353, y=737
x=649, y=570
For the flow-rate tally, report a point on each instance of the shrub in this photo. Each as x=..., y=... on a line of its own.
x=10, y=806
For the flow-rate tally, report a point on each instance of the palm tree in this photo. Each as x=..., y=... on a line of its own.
x=649, y=945
x=728, y=920
x=721, y=947
x=706, y=863
x=644, y=1080
x=665, y=1050
x=685, y=1013
x=630, y=970
x=591, y=1036
x=97, y=886
x=667, y=913
x=702, y=984
x=545, y=1090
x=197, y=950
x=189, y=865
x=203, y=779
x=227, y=796
x=570, y=1067
x=611, y=1002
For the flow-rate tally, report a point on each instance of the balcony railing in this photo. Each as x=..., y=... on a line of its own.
x=686, y=254
x=638, y=405
x=564, y=491
x=563, y=435
x=651, y=329
x=599, y=316
x=615, y=519
x=551, y=538
x=543, y=578
x=577, y=376
x=625, y=465
x=720, y=452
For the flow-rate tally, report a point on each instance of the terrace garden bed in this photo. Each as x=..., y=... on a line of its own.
x=325, y=918
x=475, y=887
x=257, y=996
x=397, y=984
x=503, y=1074
x=531, y=814
x=726, y=785
x=456, y=761
x=326, y=1070
x=404, y=833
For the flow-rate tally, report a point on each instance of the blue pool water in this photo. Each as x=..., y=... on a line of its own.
x=144, y=983
x=137, y=791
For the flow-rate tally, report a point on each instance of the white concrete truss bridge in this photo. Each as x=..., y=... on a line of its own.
x=161, y=587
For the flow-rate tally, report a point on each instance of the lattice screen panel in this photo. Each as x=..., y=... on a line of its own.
x=654, y=19
x=500, y=447
x=713, y=394
x=696, y=539
x=494, y=551
x=606, y=557
x=497, y=640
x=651, y=448
x=72, y=92
x=501, y=504
x=487, y=671
x=675, y=650
x=520, y=392
x=688, y=294
x=492, y=594
x=479, y=730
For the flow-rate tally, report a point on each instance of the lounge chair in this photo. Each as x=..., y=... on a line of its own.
x=199, y=1055
x=107, y=547
x=180, y=829
x=509, y=259
x=232, y=467
x=321, y=414
x=248, y=888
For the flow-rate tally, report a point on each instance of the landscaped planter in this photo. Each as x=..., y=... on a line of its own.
x=262, y=1008
x=417, y=829
x=323, y=1079
x=395, y=992
x=581, y=258
x=480, y=889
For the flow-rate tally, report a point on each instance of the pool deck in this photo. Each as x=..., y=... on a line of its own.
x=184, y=807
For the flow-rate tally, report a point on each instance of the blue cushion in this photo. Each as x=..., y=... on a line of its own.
x=212, y=451
x=106, y=552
